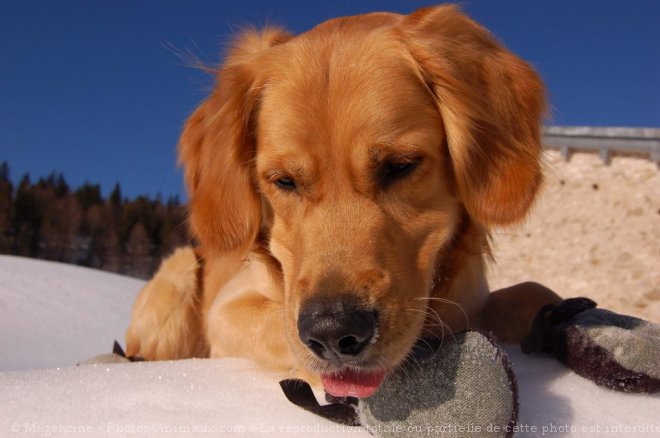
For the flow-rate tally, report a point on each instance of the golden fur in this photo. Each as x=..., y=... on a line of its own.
x=328, y=110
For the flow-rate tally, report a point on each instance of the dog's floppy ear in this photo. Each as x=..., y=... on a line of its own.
x=217, y=149
x=492, y=104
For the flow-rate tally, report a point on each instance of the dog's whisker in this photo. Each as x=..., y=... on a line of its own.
x=447, y=301
x=424, y=341
x=439, y=322
x=427, y=314
x=412, y=362
x=409, y=363
x=430, y=326
x=451, y=332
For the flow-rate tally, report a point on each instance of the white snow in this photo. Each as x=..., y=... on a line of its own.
x=52, y=316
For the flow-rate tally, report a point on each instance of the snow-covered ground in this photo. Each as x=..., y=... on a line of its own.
x=52, y=316
x=55, y=315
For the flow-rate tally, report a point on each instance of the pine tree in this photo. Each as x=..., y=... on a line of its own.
x=61, y=186
x=26, y=218
x=138, y=251
x=4, y=172
x=115, y=196
x=88, y=195
x=6, y=209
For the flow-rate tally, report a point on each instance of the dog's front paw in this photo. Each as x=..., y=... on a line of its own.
x=165, y=322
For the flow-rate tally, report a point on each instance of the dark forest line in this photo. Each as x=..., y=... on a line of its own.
x=49, y=220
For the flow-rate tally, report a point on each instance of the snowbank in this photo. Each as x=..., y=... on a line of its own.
x=54, y=315
x=594, y=233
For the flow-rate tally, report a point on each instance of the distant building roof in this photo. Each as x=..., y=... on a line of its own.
x=606, y=141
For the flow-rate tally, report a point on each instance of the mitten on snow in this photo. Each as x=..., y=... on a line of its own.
x=616, y=351
x=466, y=387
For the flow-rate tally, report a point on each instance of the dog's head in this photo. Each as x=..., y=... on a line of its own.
x=358, y=149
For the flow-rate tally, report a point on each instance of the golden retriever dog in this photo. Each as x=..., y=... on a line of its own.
x=342, y=186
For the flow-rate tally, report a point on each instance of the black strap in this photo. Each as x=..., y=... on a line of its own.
x=550, y=320
x=116, y=349
x=300, y=394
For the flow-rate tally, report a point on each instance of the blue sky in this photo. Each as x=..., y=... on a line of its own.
x=94, y=90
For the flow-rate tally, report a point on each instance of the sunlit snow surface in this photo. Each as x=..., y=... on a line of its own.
x=53, y=315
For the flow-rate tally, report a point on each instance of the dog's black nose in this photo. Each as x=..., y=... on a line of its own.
x=335, y=329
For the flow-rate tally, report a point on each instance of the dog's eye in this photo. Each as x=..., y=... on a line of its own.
x=395, y=170
x=285, y=183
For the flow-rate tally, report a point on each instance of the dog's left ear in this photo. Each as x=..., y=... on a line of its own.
x=492, y=104
x=217, y=148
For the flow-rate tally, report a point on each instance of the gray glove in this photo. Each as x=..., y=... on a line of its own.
x=617, y=351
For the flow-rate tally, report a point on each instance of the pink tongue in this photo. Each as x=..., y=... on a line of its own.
x=352, y=383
